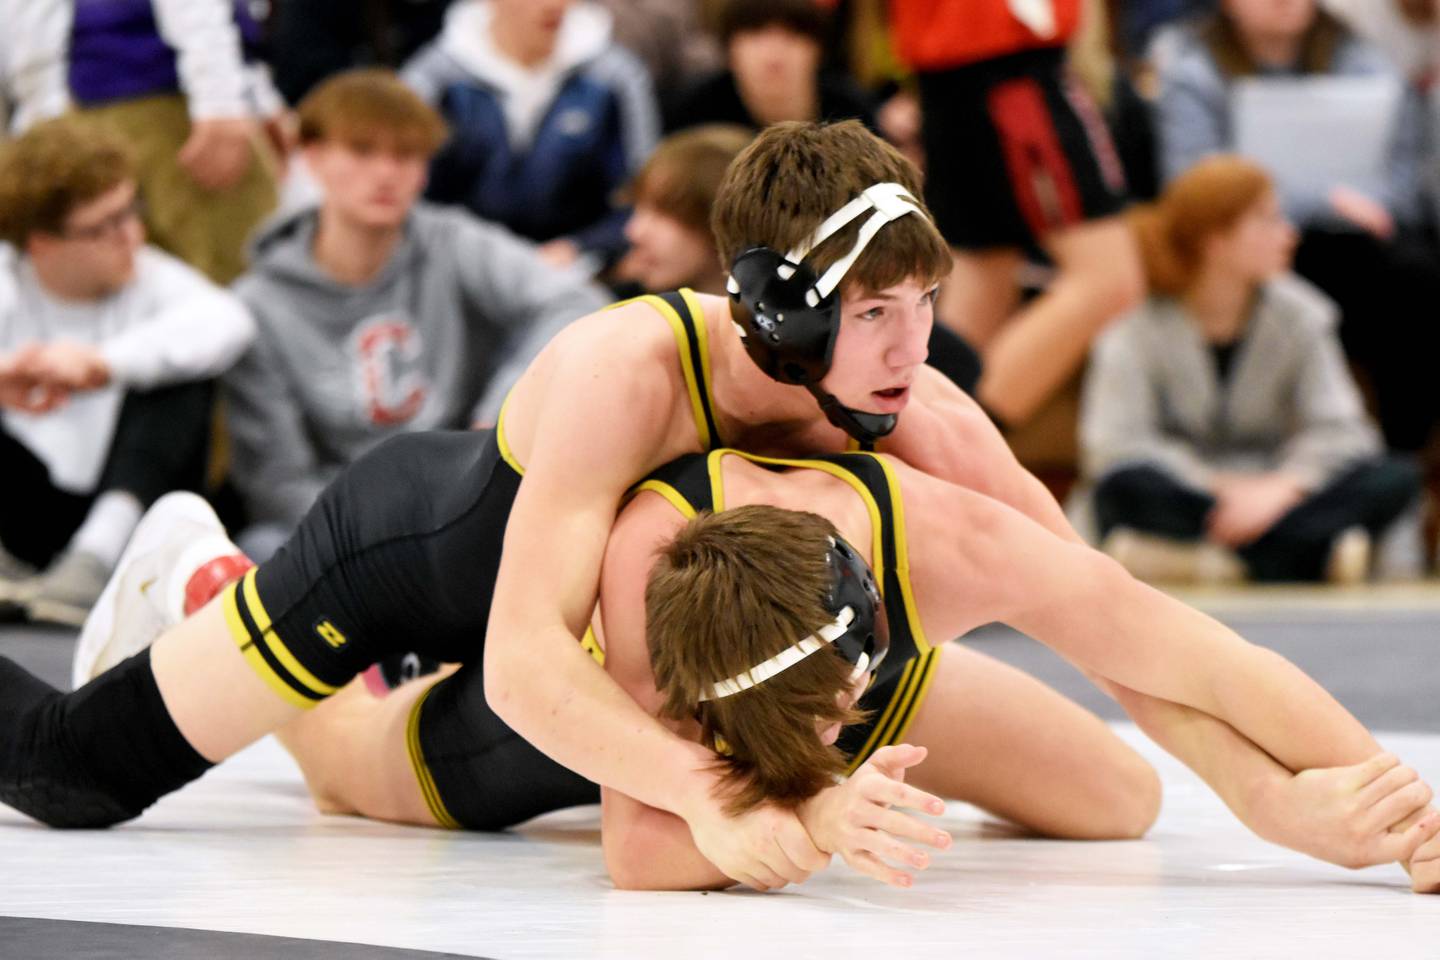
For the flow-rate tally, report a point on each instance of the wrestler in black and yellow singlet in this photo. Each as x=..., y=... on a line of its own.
x=694, y=483
x=400, y=553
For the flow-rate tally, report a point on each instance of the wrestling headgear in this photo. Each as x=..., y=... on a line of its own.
x=788, y=318
x=860, y=631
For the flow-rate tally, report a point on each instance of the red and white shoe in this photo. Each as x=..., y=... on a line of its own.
x=178, y=559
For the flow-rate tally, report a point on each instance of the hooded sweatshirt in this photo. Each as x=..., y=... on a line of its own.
x=539, y=149
x=434, y=341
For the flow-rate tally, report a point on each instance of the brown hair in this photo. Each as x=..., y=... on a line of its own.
x=368, y=107
x=1317, y=47
x=1420, y=13
x=796, y=174
x=683, y=175
x=1207, y=199
x=730, y=591
x=53, y=168
x=798, y=16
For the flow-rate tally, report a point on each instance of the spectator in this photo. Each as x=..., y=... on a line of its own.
x=774, y=50
x=32, y=62
x=1019, y=157
x=1356, y=238
x=669, y=227
x=377, y=314
x=667, y=37
x=549, y=117
x=105, y=347
x=171, y=78
x=310, y=40
x=1220, y=423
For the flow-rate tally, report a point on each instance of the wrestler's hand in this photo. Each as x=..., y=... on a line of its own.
x=1424, y=867
x=764, y=848
x=855, y=819
x=1345, y=815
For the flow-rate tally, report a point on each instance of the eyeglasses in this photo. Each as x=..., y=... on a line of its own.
x=110, y=226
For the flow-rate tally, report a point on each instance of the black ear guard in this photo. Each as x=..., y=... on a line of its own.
x=867, y=639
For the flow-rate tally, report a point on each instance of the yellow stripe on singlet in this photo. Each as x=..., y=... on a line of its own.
x=273, y=642
x=244, y=592
x=591, y=645
x=675, y=498
x=902, y=555
x=246, y=645
x=423, y=777
x=501, y=442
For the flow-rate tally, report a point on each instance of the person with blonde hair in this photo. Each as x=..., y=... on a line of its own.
x=1220, y=425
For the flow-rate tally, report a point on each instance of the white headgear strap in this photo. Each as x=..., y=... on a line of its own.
x=890, y=201
x=786, y=658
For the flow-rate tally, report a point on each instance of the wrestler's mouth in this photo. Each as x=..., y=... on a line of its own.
x=891, y=400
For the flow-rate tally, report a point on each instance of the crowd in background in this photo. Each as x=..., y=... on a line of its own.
x=242, y=242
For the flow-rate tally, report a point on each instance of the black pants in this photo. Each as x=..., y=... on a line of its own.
x=1387, y=293
x=160, y=444
x=1371, y=495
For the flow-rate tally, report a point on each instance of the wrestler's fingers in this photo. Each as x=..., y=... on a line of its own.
x=1402, y=846
x=1374, y=768
x=1399, y=805
x=871, y=866
x=903, y=825
x=1387, y=783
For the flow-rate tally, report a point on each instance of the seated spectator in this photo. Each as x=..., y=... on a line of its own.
x=1220, y=425
x=105, y=350
x=377, y=315
x=178, y=80
x=548, y=118
x=1357, y=239
x=774, y=49
x=669, y=227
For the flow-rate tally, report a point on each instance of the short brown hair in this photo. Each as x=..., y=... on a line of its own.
x=798, y=16
x=1207, y=199
x=730, y=591
x=1317, y=48
x=683, y=175
x=367, y=107
x=53, y=168
x=796, y=174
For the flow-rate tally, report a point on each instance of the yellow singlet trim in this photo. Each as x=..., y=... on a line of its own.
x=423, y=777
x=500, y=440
x=671, y=494
x=273, y=641
x=246, y=645
x=902, y=555
x=591, y=645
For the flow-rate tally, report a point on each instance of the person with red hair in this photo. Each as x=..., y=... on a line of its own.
x=1220, y=423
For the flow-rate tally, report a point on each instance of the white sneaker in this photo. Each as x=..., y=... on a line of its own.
x=146, y=594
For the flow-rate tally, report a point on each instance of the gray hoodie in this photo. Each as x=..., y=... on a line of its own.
x=434, y=342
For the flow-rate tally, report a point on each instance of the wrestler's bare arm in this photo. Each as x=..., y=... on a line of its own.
x=645, y=848
x=946, y=434
x=996, y=564
x=605, y=418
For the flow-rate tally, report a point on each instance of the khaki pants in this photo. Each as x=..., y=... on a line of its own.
x=207, y=230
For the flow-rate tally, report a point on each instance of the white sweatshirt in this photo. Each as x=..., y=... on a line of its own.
x=168, y=326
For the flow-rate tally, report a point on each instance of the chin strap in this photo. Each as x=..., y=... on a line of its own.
x=864, y=427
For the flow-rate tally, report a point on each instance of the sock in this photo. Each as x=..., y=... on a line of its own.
x=108, y=525
x=92, y=758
